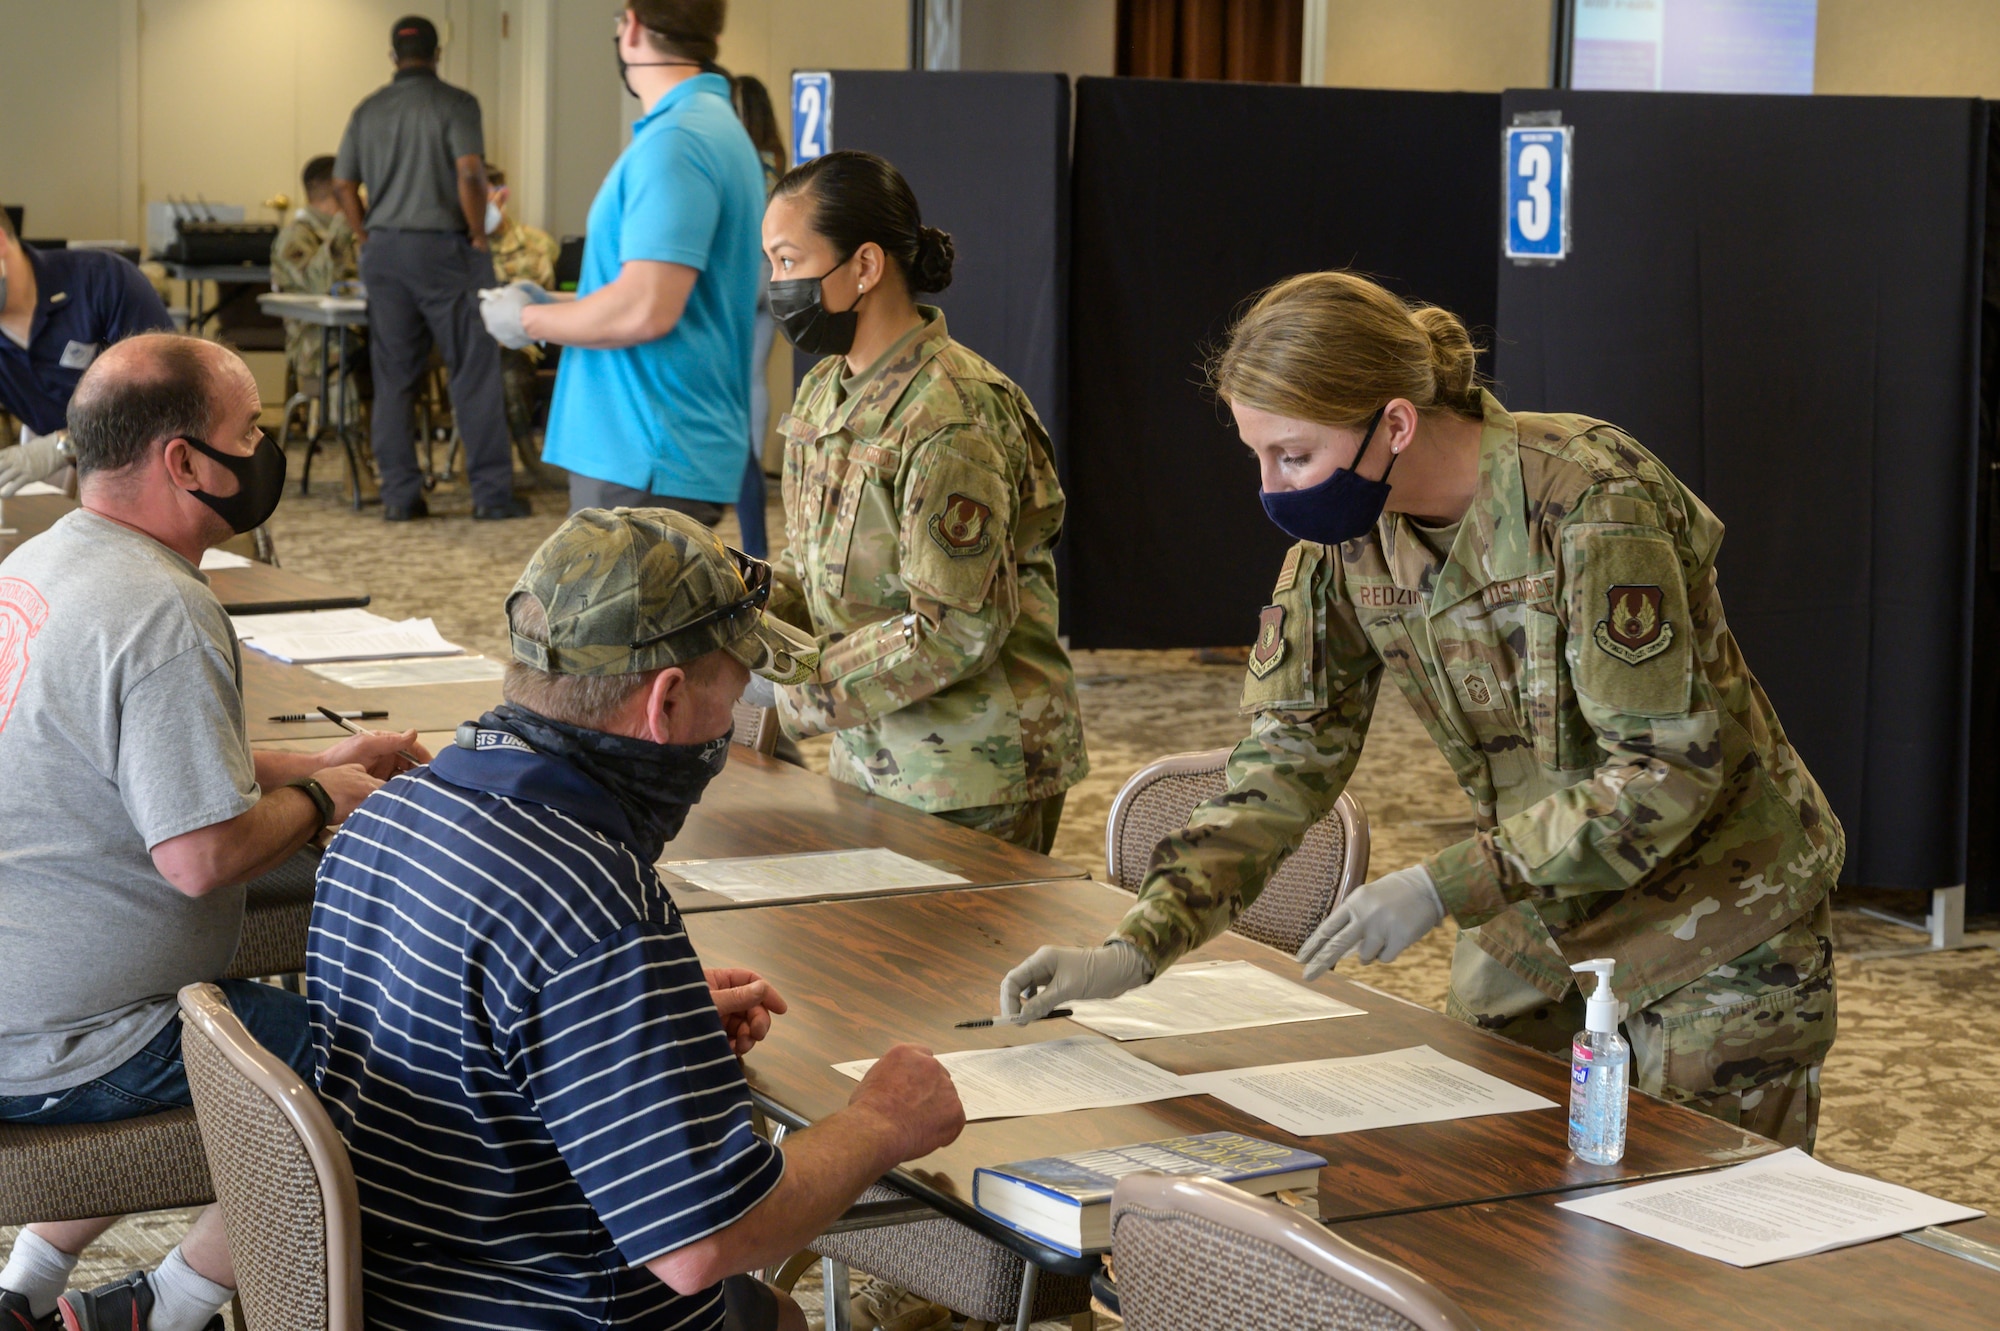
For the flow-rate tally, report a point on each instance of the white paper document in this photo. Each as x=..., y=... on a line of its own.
x=410, y=637
x=212, y=560
x=830, y=873
x=1206, y=996
x=39, y=488
x=1084, y=1072
x=1333, y=1095
x=309, y=621
x=403, y=674
x=1777, y=1207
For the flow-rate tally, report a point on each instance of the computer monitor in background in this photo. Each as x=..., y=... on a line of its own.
x=1687, y=45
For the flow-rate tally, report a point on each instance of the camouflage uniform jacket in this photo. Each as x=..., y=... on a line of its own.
x=523, y=253
x=310, y=254
x=920, y=513
x=1634, y=794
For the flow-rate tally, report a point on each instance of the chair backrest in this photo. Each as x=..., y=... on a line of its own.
x=756, y=727
x=1194, y=1253
x=1157, y=802
x=281, y=1174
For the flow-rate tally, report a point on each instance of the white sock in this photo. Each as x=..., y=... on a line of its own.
x=38, y=1270
x=183, y=1299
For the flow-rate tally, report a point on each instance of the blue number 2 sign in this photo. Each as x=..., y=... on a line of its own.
x=812, y=115
x=1537, y=164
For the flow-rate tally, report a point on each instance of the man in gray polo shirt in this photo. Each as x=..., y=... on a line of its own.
x=416, y=145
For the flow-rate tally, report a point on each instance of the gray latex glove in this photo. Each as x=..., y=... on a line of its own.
x=760, y=692
x=501, y=308
x=1055, y=975
x=1379, y=920
x=33, y=459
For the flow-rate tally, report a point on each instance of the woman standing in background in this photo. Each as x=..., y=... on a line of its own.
x=753, y=107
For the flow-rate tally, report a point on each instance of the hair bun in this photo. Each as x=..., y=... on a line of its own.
x=935, y=255
x=1454, y=357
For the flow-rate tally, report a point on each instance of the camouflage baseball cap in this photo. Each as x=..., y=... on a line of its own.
x=631, y=589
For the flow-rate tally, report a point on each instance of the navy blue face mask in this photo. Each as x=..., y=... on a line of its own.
x=1341, y=507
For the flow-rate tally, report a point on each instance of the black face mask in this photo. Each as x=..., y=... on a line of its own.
x=653, y=784
x=798, y=304
x=625, y=66
x=260, y=484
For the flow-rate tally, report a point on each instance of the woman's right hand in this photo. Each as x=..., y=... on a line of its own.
x=1056, y=975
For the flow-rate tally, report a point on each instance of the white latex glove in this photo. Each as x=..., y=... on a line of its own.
x=1380, y=919
x=760, y=692
x=33, y=459
x=501, y=308
x=1055, y=975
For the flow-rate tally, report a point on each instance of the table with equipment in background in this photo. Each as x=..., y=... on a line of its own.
x=336, y=314
x=192, y=277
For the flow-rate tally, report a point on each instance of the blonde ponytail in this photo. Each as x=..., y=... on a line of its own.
x=1332, y=347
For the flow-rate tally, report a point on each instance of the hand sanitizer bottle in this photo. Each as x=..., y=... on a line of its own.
x=1599, y=1070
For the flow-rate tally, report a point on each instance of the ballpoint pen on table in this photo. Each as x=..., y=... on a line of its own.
x=995, y=1021
x=345, y=716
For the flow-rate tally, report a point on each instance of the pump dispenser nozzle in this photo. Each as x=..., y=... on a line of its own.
x=1602, y=1010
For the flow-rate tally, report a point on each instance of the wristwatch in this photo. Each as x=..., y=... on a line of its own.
x=322, y=801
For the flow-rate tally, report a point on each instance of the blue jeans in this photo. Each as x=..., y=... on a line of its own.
x=155, y=1079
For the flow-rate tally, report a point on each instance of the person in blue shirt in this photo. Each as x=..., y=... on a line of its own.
x=652, y=399
x=57, y=311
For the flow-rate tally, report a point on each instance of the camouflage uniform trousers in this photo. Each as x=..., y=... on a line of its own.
x=1743, y=1043
x=1030, y=825
x=517, y=387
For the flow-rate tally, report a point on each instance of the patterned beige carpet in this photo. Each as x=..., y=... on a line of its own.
x=1908, y=1089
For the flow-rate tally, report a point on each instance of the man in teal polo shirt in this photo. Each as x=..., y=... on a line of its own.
x=652, y=399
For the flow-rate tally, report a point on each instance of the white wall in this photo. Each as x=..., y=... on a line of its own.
x=106, y=104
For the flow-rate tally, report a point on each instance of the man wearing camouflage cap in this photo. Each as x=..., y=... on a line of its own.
x=538, y=1083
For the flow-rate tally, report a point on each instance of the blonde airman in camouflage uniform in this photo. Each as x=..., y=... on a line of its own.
x=922, y=509
x=1633, y=792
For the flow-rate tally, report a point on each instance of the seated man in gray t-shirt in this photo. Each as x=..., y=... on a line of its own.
x=133, y=810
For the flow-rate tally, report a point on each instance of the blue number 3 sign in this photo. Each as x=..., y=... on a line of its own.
x=1537, y=162
x=812, y=115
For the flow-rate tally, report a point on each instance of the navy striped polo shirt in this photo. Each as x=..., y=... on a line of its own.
x=516, y=1039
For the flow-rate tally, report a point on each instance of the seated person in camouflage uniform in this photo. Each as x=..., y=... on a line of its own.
x=1543, y=592
x=314, y=250
x=921, y=509
x=521, y=253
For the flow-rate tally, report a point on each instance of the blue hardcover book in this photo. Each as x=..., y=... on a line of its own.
x=1065, y=1200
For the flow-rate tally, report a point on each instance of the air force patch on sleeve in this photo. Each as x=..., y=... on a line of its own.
x=1633, y=629
x=960, y=531
x=1269, y=650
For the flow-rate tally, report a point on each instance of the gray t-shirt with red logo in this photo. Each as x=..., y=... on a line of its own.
x=121, y=726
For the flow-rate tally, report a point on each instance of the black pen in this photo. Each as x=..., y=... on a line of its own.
x=353, y=729
x=347, y=716
x=988, y=1021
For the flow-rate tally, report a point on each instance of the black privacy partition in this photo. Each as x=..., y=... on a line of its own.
x=1190, y=197
x=1779, y=297
x=988, y=158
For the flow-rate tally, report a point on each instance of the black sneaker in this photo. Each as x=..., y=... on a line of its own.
x=416, y=508
x=14, y=1314
x=515, y=507
x=123, y=1305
